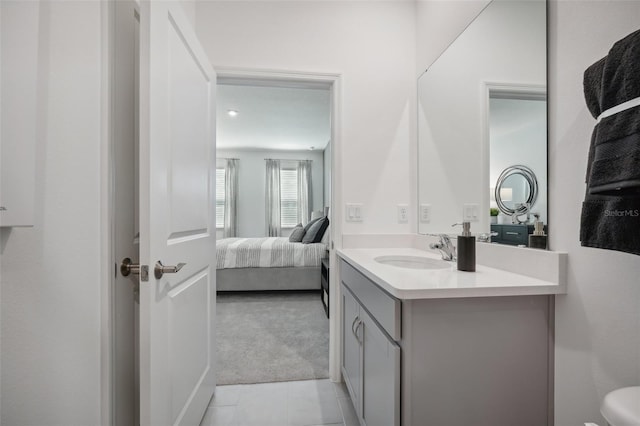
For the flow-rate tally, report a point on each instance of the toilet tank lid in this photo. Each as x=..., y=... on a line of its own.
x=621, y=407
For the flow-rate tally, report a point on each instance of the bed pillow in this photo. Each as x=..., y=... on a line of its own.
x=325, y=237
x=315, y=233
x=297, y=234
x=310, y=224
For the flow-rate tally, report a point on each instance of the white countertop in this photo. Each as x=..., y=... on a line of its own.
x=404, y=283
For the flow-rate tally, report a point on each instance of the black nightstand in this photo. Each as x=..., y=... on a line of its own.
x=324, y=284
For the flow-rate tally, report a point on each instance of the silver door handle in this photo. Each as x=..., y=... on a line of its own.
x=159, y=270
x=128, y=267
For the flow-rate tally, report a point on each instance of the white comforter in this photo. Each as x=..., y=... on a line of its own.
x=268, y=252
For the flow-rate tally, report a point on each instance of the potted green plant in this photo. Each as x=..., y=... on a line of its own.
x=493, y=211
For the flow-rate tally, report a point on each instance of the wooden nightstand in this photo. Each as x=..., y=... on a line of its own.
x=324, y=284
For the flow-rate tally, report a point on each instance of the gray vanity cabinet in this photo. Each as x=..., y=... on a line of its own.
x=370, y=366
x=482, y=361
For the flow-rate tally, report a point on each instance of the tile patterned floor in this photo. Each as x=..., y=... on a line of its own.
x=301, y=403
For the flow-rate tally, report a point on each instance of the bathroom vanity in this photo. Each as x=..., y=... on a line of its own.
x=441, y=347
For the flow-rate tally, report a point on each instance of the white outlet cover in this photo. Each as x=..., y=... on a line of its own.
x=425, y=213
x=403, y=213
x=471, y=212
x=353, y=212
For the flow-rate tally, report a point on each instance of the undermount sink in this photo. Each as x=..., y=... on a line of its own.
x=412, y=262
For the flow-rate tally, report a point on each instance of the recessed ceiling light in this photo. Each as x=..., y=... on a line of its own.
x=232, y=113
x=310, y=148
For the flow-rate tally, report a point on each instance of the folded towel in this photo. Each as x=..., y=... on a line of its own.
x=614, y=156
x=611, y=209
x=611, y=223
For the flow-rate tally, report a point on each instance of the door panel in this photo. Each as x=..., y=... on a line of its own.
x=351, y=347
x=380, y=376
x=177, y=218
x=189, y=340
x=189, y=145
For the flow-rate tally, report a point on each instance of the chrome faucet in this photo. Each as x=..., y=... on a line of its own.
x=446, y=248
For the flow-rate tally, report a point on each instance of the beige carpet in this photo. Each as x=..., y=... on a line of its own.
x=271, y=337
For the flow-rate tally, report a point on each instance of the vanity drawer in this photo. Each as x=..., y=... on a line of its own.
x=384, y=308
x=511, y=234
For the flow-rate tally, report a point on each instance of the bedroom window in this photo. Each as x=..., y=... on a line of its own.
x=289, y=198
x=220, y=197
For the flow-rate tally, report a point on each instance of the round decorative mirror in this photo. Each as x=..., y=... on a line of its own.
x=516, y=190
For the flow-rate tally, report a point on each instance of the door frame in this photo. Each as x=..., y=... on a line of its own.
x=507, y=90
x=107, y=170
x=334, y=81
x=107, y=226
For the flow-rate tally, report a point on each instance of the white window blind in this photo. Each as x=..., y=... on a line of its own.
x=220, y=197
x=288, y=198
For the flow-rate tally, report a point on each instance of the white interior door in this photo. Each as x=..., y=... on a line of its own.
x=177, y=218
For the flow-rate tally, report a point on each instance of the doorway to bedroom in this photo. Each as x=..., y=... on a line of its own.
x=273, y=209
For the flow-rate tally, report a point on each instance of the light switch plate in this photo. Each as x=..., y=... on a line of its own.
x=471, y=212
x=403, y=213
x=425, y=213
x=353, y=212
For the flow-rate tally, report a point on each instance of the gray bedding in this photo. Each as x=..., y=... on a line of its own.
x=270, y=252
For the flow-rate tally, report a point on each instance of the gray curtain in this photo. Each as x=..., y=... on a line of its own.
x=231, y=195
x=304, y=190
x=272, y=198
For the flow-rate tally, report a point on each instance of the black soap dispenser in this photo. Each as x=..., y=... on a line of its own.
x=466, y=249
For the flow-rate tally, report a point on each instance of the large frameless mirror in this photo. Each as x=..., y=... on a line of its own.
x=482, y=124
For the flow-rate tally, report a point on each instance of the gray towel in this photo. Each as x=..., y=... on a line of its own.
x=611, y=210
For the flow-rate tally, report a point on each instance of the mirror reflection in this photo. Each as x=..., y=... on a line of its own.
x=482, y=111
x=516, y=192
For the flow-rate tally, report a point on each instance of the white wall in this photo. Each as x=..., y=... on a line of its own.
x=598, y=321
x=372, y=45
x=50, y=282
x=251, y=186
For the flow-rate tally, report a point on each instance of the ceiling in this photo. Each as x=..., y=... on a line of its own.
x=273, y=118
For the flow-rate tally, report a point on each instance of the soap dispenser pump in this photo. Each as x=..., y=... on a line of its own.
x=466, y=248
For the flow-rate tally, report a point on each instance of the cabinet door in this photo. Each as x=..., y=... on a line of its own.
x=380, y=375
x=351, y=353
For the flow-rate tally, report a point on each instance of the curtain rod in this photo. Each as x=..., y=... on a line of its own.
x=226, y=158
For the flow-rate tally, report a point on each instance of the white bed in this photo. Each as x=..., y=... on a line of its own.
x=270, y=263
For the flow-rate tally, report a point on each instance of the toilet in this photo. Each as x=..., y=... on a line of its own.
x=621, y=407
